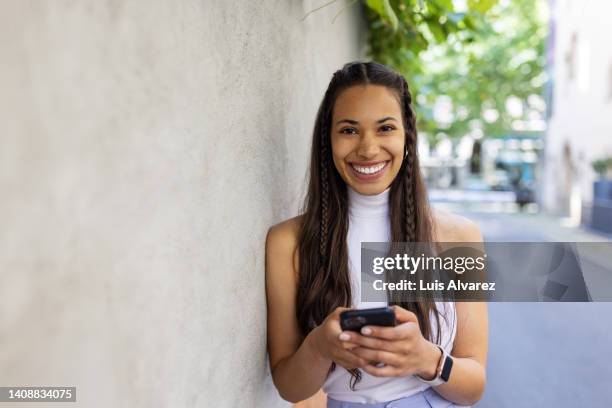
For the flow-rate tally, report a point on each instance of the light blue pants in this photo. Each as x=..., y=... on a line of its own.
x=424, y=399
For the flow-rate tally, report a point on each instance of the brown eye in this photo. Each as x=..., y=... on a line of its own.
x=348, y=131
x=387, y=128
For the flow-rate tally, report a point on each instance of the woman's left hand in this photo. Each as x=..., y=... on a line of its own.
x=402, y=349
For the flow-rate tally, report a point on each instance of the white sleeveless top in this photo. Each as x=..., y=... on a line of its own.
x=369, y=222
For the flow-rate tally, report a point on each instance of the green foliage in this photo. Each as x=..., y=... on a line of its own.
x=478, y=57
x=602, y=166
x=385, y=11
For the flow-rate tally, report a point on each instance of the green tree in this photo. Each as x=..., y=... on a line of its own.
x=477, y=57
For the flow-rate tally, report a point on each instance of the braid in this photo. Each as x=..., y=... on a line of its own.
x=324, y=195
x=324, y=174
x=409, y=208
x=324, y=170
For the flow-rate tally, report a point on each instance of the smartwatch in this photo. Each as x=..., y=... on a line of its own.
x=442, y=372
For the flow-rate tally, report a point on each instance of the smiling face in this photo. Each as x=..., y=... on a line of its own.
x=367, y=137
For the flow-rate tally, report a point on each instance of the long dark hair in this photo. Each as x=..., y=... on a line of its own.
x=324, y=282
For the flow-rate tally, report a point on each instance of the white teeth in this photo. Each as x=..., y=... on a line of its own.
x=371, y=169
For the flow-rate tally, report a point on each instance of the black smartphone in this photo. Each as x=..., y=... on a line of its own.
x=355, y=319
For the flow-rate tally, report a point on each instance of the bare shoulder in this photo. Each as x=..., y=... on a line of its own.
x=282, y=240
x=285, y=233
x=450, y=227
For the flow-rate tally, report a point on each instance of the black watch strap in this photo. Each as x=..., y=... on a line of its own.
x=446, y=368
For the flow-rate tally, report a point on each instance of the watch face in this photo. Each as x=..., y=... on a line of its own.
x=446, y=369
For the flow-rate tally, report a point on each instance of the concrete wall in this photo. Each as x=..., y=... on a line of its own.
x=580, y=129
x=146, y=147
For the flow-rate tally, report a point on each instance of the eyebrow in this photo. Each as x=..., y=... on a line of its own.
x=354, y=122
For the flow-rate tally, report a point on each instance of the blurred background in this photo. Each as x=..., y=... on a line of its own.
x=147, y=146
x=514, y=101
x=514, y=104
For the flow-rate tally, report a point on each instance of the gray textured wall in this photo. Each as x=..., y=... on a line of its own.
x=146, y=147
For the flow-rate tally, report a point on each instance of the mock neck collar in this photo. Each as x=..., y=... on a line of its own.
x=371, y=206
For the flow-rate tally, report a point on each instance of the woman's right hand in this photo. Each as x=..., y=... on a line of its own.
x=325, y=340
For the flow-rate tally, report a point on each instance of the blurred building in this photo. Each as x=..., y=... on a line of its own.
x=580, y=107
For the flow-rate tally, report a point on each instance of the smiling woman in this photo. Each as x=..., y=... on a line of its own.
x=368, y=151
x=365, y=185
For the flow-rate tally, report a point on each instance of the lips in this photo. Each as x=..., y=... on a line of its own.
x=369, y=171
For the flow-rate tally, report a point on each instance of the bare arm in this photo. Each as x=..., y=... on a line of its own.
x=299, y=365
x=298, y=372
x=468, y=375
x=319, y=400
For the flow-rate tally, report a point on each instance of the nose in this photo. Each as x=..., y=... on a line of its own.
x=368, y=146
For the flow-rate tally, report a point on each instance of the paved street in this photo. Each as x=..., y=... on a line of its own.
x=549, y=355
x=540, y=354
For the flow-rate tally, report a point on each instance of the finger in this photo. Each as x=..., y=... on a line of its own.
x=402, y=315
x=335, y=319
x=385, y=371
x=347, y=345
x=386, y=357
x=340, y=309
x=344, y=340
x=346, y=357
x=370, y=342
x=402, y=331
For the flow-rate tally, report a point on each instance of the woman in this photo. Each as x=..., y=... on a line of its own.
x=365, y=185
